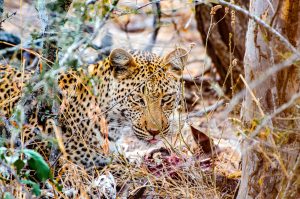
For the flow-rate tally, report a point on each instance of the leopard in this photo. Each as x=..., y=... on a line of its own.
x=129, y=88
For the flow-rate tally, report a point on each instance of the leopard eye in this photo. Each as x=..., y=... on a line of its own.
x=138, y=100
x=167, y=99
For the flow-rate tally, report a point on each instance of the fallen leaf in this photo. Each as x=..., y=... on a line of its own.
x=202, y=140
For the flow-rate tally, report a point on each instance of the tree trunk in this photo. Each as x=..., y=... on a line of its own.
x=270, y=159
x=46, y=10
x=228, y=35
x=1, y=11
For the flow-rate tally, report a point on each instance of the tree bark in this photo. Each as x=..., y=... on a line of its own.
x=1, y=9
x=49, y=27
x=228, y=35
x=1, y=13
x=270, y=159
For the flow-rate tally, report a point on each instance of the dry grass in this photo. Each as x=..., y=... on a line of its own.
x=159, y=175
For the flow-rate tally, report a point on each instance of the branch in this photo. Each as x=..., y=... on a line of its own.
x=276, y=112
x=13, y=173
x=1, y=11
x=285, y=64
x=87, y=40
x=43, y=15
x=61, y=8
x=25, y=45
x=196, y=80
x=258, y=21
x=147, y=4
x=252, y=85
x=290, y=185
x=156, y=24
x=7, y=17
x=6, y=123
x=206, y=110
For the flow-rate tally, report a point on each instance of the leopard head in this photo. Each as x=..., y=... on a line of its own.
x=146, y=90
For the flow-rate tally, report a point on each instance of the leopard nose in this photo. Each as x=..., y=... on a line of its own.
x=153, y=132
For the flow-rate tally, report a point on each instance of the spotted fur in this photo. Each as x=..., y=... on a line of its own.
x=132, y=89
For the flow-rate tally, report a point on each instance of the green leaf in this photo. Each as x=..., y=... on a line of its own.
x=2, y=150
x=37, y=163
x=19, y=164
x=35, y=187
x=2, y=153
x=58, y=186
x=7, y=195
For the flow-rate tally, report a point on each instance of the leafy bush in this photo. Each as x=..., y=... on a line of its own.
x=27, y=167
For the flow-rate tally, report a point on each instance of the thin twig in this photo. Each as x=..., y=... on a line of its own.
x=156, y=24
x=189, y=80
x=1, y=10
x=293, y=174
x=30, y=51
x=24, y=45
x=206, y=110
x=253, y=96
x=87, y=40
x=7, y=124
x=13, y=173
x=276, y=112
x=7, y=17
x=43, y=15
x=252, y=85
x=260, y=22
x=147, y=4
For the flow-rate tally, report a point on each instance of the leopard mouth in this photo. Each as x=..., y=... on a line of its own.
x=153, y=141
x=147, y=137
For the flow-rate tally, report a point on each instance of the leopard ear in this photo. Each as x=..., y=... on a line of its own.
x=177, y=59
x=122, y=62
